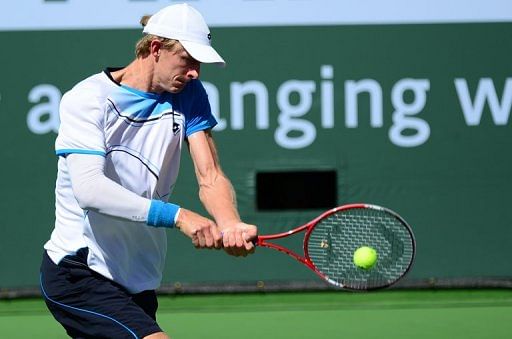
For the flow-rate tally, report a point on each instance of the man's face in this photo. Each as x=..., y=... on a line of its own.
x=174, y=69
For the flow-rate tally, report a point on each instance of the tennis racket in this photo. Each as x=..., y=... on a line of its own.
x=331, y=239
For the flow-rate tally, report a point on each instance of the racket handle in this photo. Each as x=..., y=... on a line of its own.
x=256, y=241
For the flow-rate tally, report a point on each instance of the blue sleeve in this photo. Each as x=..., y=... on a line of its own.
x=199, y=116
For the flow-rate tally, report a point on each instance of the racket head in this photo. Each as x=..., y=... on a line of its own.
x=333, y=237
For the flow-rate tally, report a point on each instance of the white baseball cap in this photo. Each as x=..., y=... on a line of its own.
x=184, y=23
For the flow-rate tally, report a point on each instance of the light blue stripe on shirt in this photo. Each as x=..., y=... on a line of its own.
x=62, y=152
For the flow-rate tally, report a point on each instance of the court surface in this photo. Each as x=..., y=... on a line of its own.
x=385, y=314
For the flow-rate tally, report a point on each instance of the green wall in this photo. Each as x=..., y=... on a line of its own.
x=444, y=167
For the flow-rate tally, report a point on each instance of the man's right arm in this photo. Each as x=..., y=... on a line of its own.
x=96, y=192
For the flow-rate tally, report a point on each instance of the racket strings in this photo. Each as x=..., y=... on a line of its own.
x=334, y=239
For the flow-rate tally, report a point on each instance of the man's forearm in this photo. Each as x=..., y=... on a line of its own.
x=219, y=199
x=94, y=191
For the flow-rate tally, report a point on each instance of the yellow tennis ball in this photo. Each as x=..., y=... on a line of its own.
x=365, y=257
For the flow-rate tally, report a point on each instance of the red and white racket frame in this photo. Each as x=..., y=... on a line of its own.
x=262, y=239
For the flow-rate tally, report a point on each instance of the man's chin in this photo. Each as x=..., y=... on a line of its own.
x=177, y=88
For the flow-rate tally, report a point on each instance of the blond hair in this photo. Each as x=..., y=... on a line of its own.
x=143, y=45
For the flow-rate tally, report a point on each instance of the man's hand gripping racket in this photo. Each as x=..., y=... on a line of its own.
x=331, y=239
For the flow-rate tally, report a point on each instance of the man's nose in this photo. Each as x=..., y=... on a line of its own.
x=193, y=72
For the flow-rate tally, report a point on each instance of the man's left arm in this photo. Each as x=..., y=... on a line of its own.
x=218, y=196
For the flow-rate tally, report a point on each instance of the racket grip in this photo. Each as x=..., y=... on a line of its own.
x=256, y=241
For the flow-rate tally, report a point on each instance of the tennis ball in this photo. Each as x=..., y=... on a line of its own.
x=365, y=257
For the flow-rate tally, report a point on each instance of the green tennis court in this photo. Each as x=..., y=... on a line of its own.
x=385, y=314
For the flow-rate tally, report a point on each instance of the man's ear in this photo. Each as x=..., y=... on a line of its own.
x=155, y=47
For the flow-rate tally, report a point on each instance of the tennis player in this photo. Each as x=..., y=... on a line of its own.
x=119, y=146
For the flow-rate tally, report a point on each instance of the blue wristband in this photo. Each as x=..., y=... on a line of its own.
x=162, y=214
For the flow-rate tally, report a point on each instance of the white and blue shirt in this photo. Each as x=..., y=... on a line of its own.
x=140, y=135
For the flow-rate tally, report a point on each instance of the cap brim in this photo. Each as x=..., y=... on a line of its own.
x=203, y=53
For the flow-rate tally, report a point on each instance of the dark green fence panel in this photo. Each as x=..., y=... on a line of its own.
x=412, y=117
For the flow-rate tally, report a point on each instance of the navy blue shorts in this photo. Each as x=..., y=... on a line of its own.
x=89, y=305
